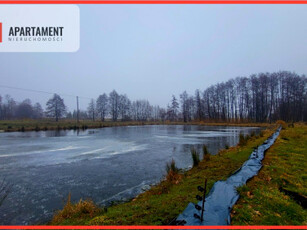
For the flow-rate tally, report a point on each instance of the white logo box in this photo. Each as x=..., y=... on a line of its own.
x=40, y=18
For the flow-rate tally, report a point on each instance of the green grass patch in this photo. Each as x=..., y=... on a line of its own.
x=263, y=201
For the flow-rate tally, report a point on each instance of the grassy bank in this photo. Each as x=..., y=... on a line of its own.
x=165, y=201
x=277, y=195
x=48, y=124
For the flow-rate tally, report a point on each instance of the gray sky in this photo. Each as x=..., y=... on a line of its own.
x=154, y=51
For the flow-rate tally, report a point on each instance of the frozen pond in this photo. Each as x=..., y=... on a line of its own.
x=102, y=164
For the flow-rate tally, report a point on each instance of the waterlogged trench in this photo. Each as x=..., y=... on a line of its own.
x=223, y=194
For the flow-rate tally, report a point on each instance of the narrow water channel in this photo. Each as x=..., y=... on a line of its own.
x=223, y=194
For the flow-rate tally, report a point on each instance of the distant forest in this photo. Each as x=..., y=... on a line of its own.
x=263, y=97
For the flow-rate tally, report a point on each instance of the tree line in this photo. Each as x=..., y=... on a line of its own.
x=263, y=97
x=10, y=109
x=115, y=106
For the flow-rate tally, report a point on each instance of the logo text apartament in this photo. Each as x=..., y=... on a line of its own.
x=35, y=33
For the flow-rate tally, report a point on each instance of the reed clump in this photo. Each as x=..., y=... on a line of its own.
x=243, y=139
x=206, y=153
x=195, y=157
x=82, y=209
x=172, y=175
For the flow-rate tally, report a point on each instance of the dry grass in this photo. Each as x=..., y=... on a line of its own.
x=49, y=124
x=172, y=175
x=282, y=123
x=84, y=209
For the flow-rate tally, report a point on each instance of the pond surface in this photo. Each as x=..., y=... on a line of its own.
x=105, y=165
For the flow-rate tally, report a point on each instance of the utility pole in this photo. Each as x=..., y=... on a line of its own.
x=77, y=109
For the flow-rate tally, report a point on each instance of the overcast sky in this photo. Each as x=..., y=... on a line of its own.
x=154, y=51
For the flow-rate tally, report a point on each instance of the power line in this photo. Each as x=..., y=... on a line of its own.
x=41, y=91
x=46, y=92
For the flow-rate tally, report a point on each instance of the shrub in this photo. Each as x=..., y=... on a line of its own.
x=226, y=146
x=243, y=139
x=171, y=166
x=291, y=125
x=205, y=150
x=78, y=210
x=195, y=157
x=206, y=153
x=282, y=123
x=172, y=172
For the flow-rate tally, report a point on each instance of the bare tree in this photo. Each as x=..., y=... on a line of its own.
x=55, y=107
x=38, y=111
x=124, y=107
x=102, y=106
x=8, y=108
x=163, y=114
x=24, y=110
x=114, y=105
x=199, y=106
x=141, y=110
x=91, y=109
x=184, y=99
x=172, y=110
